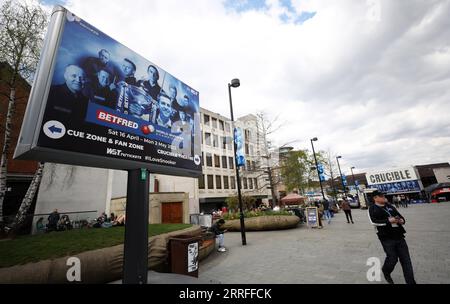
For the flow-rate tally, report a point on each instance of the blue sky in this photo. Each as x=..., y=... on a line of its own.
x=53, y=2
x=291, y=14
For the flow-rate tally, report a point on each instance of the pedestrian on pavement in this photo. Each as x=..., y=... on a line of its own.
x=217, y=229
x=347, y=210
x=326, y=210
x=319, y=207
x=396, y=200
x=389, y=223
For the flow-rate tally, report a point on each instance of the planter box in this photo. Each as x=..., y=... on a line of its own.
x=266, y=222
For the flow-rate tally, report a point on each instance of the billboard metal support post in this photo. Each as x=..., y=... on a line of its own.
x=235, y=84
x=135, y=258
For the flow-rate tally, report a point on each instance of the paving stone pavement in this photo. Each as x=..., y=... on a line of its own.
x=337, y=253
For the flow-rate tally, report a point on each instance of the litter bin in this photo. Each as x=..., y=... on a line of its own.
x=183, y=254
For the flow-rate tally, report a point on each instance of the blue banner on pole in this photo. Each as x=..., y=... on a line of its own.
x=239, y=140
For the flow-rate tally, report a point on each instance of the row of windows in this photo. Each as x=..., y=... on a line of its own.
x=227, y=162
x=229, y=182
x=224, y=126
x=226, y=142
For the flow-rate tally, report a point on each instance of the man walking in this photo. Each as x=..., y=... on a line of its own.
x=347, y=210
x=389, y=223
x=326, y=210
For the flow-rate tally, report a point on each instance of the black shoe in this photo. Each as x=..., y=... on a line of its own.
x=352, y=223
x=388, y=278
x=348, y=222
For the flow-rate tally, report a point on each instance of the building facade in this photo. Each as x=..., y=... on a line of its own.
x=218, y=181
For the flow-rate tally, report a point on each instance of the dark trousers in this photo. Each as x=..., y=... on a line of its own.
x=348, y=213
x=395, y=250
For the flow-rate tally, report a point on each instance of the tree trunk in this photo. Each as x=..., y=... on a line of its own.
x=28, y=199
x=5, y=151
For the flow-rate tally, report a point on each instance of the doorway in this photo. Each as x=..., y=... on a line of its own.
x=172, y=213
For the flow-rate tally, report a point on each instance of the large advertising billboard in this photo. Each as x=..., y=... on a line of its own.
x=104, y=105
x=400, y=180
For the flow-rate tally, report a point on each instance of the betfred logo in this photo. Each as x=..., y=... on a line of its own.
x=147, y=129
x=111, y=118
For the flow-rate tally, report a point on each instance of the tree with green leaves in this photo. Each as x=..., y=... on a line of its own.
x=299, y=170
x=233, y=202
x=22, y=26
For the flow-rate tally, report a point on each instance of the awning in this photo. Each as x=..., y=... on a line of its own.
x=293, y=199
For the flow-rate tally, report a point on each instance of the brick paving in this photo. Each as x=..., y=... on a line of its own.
x=335, y=254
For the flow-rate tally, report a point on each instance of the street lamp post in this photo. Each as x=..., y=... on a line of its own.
x=317, y=166
x=236, y=83
x=340, y=173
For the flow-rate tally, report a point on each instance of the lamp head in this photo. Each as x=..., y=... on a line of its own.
x=339, y=156
x=352, y=168
x=235, y=83
x=314, y=139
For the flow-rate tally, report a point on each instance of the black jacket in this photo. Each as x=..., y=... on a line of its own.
x=216, y=229
x=380, y=218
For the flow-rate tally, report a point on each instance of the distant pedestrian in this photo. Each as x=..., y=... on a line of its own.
x=319, y=207
x=347, y=210
x=396, y=200
x=389, y=223
x=404, y=201
x=326, y=211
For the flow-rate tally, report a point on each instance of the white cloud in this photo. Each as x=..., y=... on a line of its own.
x=369, y=78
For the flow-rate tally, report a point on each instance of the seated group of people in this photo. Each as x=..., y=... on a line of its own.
x=56, y=222
x=105, y=222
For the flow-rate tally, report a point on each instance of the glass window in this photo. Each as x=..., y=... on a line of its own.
x=206, y=119
x=221, y=126
x=214, y=122
x=256, y=183
x=250, y=183
x=201, y=182
x=246, y=149
x=249, y=167
x=251, y=150
x=203, y=159
x=224, y=143
x=230, y=143
x=233, y=182
x=245, y=183
x=215, y=141
x=218, y=182
x=225, y=182
x=209, y=160
x=227, y=127
x=231, y=162
x=210, y=181
x=216, y=161
x=208, y=139
x=247, y=135
x=224, y=162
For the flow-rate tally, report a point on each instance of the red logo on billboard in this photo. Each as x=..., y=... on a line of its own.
x=111, y=118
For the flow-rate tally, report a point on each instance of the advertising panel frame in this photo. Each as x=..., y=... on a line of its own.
x=28, y=147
